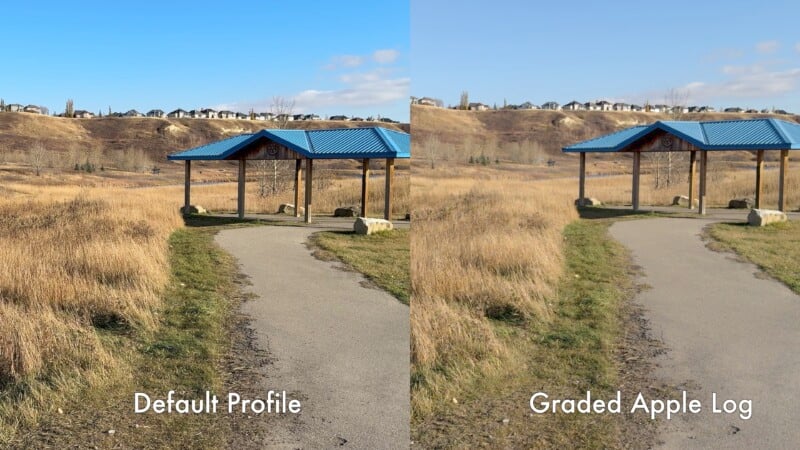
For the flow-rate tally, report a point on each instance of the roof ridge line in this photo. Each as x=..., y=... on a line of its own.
x=703, y=130
x=386, y=139
x=779, y=129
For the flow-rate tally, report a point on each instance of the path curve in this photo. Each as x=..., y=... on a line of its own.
x=726, y=330
x=341, y=346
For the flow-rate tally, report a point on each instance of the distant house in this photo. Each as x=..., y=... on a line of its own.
x=280, y=117
x=552, y=106
x=357, y=119
x=299, y=117
x=311, y=117
x=694, y=109
x=338, y=118
x=372, y=119
x=133, y=113
x=621, y=107
x=226, y=115
x=527, y=105
x=604, y=105
x=427, y=101
x=765, y=111
x=387, y=120
x=33, y=109
x=636, y=108
x=81, y=114
x=478, y=107
x=706, y=109
x=573, y=106
x=780, y=111
x=591, y=106
x=242, y=116
x=734, y=109
x=752, y=111
x=177, y=114
x=208, y=114
x=15, y=107
x=659, y=108
x=155, y=113
x=678, y=109
x=194, y=114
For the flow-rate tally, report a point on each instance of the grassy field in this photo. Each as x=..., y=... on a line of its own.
x=382, y=257
x=774, y=248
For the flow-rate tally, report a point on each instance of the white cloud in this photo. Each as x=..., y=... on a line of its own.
x=348, y=61
x=766, y=47
x=374, y=88
x=753, y=81
x=385, y=56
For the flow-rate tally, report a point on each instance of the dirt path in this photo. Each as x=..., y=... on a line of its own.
x=338, y=346
x=729, y=331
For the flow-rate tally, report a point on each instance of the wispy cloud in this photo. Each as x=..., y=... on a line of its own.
x=346, y=61
x=767, y=47
x=753, y=81
x=385, y=56
x=797, y=47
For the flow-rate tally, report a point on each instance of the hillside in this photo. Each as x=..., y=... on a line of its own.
x=157, y=137
x=549, y=130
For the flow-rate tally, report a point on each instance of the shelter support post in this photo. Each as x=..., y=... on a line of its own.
x=387, y=192
x=298, y=179
x=637, y=158
x=782, y=182
x=703, y=171
x=692, y=171
x=309, y=173
x=241, y=193
x=187, y=187
x=364, y=186
x=582, y=182
x=759, y=179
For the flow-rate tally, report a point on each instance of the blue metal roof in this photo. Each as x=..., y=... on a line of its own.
x=336, y=143
x=748, y=134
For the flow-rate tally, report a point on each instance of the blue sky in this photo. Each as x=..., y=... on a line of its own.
x=731, y=53
x=332, y=58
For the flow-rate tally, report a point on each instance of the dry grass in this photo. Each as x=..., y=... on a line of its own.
x=486, y=248
x=724, y=184
x=331, y=194
x=75, y=261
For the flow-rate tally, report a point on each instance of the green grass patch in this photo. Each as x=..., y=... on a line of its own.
x=183, y=354
x=564, y=357
x=382, y=257
x=774, y=248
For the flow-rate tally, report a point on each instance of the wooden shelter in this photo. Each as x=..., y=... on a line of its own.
x=363, y=144
x=757, y=135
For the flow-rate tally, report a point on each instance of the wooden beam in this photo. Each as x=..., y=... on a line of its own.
x=703, y=171
x=692, y=172
x=298, y=180
x=364, y=186
x=782, y=182
x=637, y=157
x=759, y=174
x=241, y=194
x=187, y=187
x=309, y=173
x=387, y=192
x=582, y=180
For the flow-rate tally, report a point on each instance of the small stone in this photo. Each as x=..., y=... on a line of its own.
x=455, y=400
x=111, y=431
x=506, y=421
x=60, y=411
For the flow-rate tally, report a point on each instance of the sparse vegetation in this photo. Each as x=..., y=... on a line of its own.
x=775, y=248
x=382, y=257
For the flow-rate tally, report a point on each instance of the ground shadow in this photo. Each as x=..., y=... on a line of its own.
x=594, y=212
x=203, y=220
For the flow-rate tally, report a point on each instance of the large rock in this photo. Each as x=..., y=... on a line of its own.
x=761, y=217
x=741, y=203
x=588, y=202
x=347, y=211
x=193, y=209
x=682, y=200
x=366, y=225
x=289, y=209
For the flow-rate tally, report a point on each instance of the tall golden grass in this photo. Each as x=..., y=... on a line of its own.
x=486, y=245
x=326, y=196
x=75, y=260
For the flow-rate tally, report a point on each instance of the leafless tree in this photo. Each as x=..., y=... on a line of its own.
x=464, y=101
x=668, y=167
x=69, y=110
x=38, y=157
x=270, y=181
